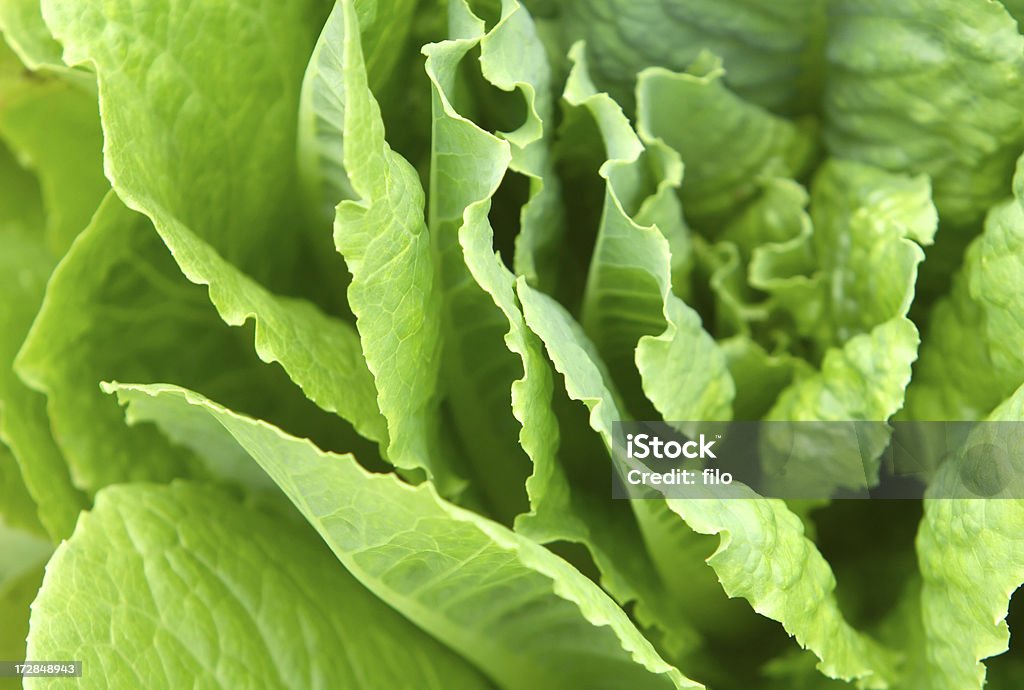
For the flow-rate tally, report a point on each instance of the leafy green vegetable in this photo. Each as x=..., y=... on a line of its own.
x=963, y=602
x=773, y=54
x=938, y=97
x=180, y=124
x=523, y=615
x=169, y=626
x=433, y=260
x=119, y=276
x=970, y=363
x=727, y=146
x=36, y=486
x=394, y=292
x=748, y=527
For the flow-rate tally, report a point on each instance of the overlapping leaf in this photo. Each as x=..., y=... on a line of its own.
x=971, y=361
x=147, y=569
x=727, y=144
x=772, y=52
x=789, y=571
x=963, y=599
x=395, y=292
x=119, y=278
x=939, y=96
x=521, y=614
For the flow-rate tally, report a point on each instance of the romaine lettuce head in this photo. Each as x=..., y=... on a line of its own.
x=320, y=324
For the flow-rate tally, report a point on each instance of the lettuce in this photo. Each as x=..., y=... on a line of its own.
x=319, y=322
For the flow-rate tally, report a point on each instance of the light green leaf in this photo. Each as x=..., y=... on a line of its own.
x=774, y=240
x=513, y=59
x=22, y=556
x=118, y=279
x=632, y=314
x=629, y=298
x=521, y=614
x=763, y=555
x=868, y=226
x=865, y=379
x=930, y=86
x=208, y=146
x=395, y=291
x=971, y=562
x=321, y=354
x=772, y=53
x=727, y=144
x=147, y=570
x=22, y=26
x=858, y=267
x=776, y=215
x=971, y=358
x=664, y=601
x=763, y=258
x=559, y=510
x=467, y=166
x=25, y=266
x=384, y=26
x=765, y=558
x=53, y=127
x=17, y=508
x=15, y=597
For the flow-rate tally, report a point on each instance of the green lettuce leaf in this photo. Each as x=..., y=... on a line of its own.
x=320, y=354
x=25, y=266
x=540, y=243
x=971, y=359
x=629, y=310
x=763, y=555
x=23, y=29
x=53, y=127
x=762, y=259
x=147, y=569
x=865, y=379
x=325, y=361
x=395, y=291
x=478, y=369
x=173, y=126
x=560, y=508
x=772, y=53
x=971, y=563
x=117, y=279
x=521, y=614
x=868, y=230
x=727, y=145
x=384, y=26
x=939, y=96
